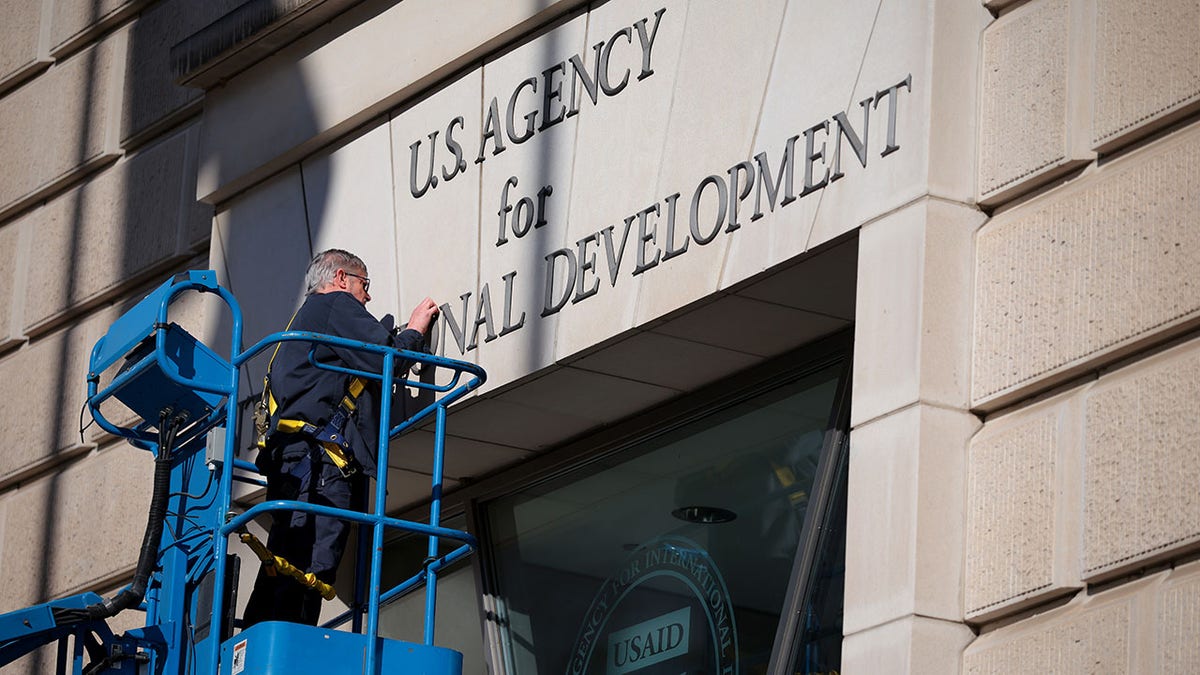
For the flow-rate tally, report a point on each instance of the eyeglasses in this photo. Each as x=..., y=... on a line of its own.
x=366, y=281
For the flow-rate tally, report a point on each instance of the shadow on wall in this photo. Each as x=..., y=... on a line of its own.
x=152, y=229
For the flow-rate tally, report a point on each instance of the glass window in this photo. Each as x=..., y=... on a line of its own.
x=672, y=555
x=456, y=624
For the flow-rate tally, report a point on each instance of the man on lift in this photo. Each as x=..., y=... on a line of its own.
x=323, y=430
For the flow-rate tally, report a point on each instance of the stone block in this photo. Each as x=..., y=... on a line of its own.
x=1140, y=502
x=1147, y=64
x=407, y=489
x=905, y=521
x=464, y=458
x=49, y=376
x=151, y=95
x=1101, y=633
x=655, y=358
x=717, y=324
x=913, y=308
x=10, y=262
x=23, y=48
x=76, y=528
x=515, y=425
x=1027, y=58
x=919, y=58
x=437, y=235
x=825, y=283
x=1177, y=609
x=1082, y=274
x=197, y=217
x=907, y=646
x=348, y=200
x=120, y=225
x=596, y=397
x=61, y=123
x=618, y=143
x=954, y=107
x=76, y=21
x=797, y=96
x=269, y=221
x=272, y=114
x=1023, y=520
x=698, y=143
x=546, y=159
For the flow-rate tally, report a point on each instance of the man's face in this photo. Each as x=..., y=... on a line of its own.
x=356, y=283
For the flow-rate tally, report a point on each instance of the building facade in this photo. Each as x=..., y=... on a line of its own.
x=853, y=337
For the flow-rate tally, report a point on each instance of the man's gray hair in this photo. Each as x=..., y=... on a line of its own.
x=325, y=265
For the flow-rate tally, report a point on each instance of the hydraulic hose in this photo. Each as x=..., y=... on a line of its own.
x=133, y=594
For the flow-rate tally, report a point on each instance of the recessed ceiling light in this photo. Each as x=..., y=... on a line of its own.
x=704, y=515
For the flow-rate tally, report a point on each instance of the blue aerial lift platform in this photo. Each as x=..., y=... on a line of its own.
x=185, y=398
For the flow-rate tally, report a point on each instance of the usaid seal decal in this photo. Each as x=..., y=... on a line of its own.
x=667, y=609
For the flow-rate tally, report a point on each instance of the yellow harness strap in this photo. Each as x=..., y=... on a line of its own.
x=349, y=402
x=274, y=564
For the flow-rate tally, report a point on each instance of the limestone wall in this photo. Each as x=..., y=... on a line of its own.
x=1081, y=504
x=97, y=203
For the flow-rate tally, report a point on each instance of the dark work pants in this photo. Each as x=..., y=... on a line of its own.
x=311, y=543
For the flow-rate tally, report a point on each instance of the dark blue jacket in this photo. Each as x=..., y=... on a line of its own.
x=308, y=393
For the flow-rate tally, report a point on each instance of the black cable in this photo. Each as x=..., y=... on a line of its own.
x=112, y=659
x=82, y=426
x=132, y=595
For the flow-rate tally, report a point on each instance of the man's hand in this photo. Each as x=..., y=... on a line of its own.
x=423, y=316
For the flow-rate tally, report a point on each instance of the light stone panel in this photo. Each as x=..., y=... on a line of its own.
x=909, y=646
x=1177, y=609
x=22, y=48
x=798, y=96
x=61, y=123
x=464, y=458
x=197, y=217
x=1022, y=510
x=348, y=200
x=121, y=224
x=596, y=397
x=75, y=529
x=10, y=259
x=437, y=235
x=263, y=254
x=905, y=521
x=1079, y=276
x=699, y=143
x=48, y=375
x=546, y=159
x=75, y=21
x=825, y=283
x=1027, y=58
x=151, y=96
x=917, y=55
x=407, y=489
x=1098, y=640
x=271, y=115
x=1142, y=469
x=655, y=358
x=913, y=306
x=515, y=425
x=619, y=143
x=1147, y=64
x=790, y=328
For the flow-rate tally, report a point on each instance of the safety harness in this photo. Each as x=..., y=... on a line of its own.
x=275, y=565
x=331, y=436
